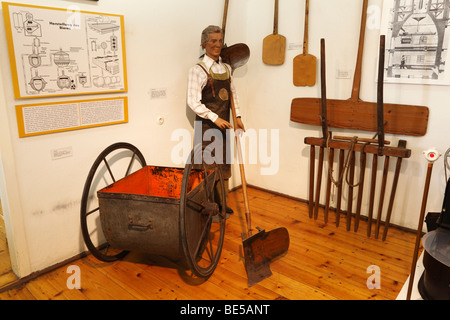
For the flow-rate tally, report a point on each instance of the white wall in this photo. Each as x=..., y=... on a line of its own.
x=270, y=92
x=162, y=43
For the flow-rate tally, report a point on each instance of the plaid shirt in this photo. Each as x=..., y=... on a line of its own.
x=197, y=81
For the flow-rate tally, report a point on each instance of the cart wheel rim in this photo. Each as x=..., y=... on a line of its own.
x=104, y=252
x=199, y=205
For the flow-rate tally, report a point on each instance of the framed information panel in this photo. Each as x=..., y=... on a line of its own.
x=44, y=118
x=60, y=52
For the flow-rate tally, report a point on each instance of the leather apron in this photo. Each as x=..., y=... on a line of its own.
x=216, y=97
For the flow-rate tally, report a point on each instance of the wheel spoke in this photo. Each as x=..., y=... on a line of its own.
x=107, y=249
x=203, y=253
x=195, y=205
x=104, y=252
x=200, y=242
x=210, y=193
x=92, y=211
x=211, y=251
x=109, y=169
x=129, y=165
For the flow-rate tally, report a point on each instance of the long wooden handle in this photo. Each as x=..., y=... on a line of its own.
x=357, y=76
x=419, y=230
x=305, y=36
x=380, y=109
x=224, y=19
x=323, y=88
x=312, y=160
x=241, y=168
x=382, y=192
x=401, y=144
x=275, y=18
x=368, y=140
x=372, y=193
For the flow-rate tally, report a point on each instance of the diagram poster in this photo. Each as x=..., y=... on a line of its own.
x=60, y=52
x=417, y=41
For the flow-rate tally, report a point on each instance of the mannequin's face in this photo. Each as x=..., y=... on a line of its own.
x=214, y=45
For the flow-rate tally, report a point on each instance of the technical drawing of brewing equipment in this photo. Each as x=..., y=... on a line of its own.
x=31, y=27
x=57, y=55
x=104, y=47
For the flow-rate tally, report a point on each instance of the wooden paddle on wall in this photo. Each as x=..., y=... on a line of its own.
x=274, y=45
x=357, y=114
x=305, y=64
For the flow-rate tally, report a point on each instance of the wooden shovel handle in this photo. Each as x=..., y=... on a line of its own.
x=224, y=19
x=275, y=19
x=305, y=36
x=241, y=169
x=357, y=76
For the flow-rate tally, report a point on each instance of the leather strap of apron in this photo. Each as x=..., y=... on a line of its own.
x=210, y=79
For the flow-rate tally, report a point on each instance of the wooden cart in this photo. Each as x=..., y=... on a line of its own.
x=128, y=205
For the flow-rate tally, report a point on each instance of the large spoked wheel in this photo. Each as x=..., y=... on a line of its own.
x=202, y=220
x=114, y=163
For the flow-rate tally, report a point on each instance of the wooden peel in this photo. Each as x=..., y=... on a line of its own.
x=305, y=64
x=274, y=45
x=361, y=115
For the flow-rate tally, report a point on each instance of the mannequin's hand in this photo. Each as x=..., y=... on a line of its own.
x=240, y=124
x=223, y=124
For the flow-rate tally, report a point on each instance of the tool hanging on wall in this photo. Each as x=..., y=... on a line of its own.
x=274, y=45
x=323, y=121
x=304, y=73
x=432, y=156
x=236, y=55
x=361, y=115
x=346, y=174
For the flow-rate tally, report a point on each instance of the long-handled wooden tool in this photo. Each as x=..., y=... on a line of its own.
x=304, y=73
x=323, y=121
x=361, y=115
x=431, y=156
x=380, y=131
x=274, y=45
x=260, y=248
x=236, y=55
x=401, y=144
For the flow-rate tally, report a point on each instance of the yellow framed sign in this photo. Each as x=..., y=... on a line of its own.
x=60, y=52
x=44, y=118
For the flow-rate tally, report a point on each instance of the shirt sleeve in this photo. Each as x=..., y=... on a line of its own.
x=196, y=83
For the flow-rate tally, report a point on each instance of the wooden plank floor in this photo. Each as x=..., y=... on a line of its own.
x=324, y=262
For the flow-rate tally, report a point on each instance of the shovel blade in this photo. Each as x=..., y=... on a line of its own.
x=236, y=55
x=260, y=249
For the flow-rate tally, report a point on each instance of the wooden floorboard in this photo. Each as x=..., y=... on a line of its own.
x=324, y=262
